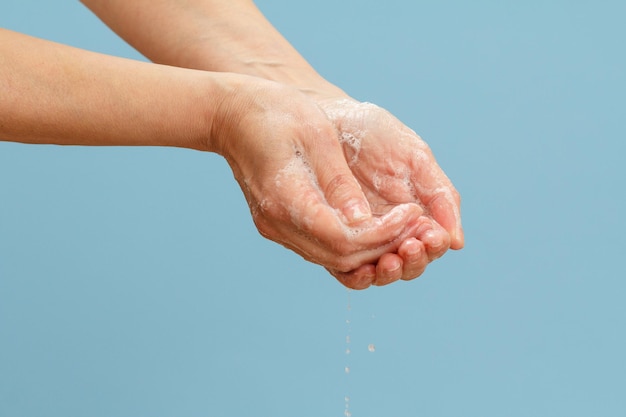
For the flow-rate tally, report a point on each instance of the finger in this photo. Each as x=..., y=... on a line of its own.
x=445, y=209
x=346, y=249
x=350, y=247
x=314, y=230
x=414, y=257
x=336, y=181
x=435, y=238
x=434, y=189
x=359, y=279
x=308, y=224
x=388, y=269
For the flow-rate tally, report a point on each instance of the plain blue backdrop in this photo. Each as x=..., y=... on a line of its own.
x=133, y=281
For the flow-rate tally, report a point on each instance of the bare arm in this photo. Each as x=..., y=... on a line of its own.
x=52, y=93
x=214, y=35
x=306, y=199
x=233, y=35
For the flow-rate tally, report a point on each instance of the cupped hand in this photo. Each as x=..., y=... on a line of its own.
x=287, y=158
x=394, y=166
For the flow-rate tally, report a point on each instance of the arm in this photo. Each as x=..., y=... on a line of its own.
x=213, y=35
x=51, y=93
x=234, y=36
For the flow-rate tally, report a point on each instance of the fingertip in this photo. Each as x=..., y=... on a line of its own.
x=388, y=269
x=358, y=279
x=457, y=240
x=435, y=238
x=446, y=211
x=356, y=211
x=404, y=215
x=340, y=188
x=410, y=249
x=415, y=257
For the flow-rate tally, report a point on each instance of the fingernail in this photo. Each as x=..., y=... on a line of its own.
x=413, y=248
x=434, y=241
x=357, y=211
x=396, y=266
x=459, y=236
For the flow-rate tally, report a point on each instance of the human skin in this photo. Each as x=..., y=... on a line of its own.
x=394, y=164
x=55, y=94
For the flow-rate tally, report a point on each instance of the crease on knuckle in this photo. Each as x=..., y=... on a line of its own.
x=339, y=187
x=345, y=263
x=264, y=228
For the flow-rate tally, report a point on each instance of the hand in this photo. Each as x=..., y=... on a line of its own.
x=234, y=37
x=285, y=154
x=393, y=166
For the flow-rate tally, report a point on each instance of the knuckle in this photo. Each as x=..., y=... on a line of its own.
x=414, y=274
x=439, y=250
x=267, y=233
x=341, y=248
x=265, y=229
x=339, y=187
x=350, y=280
x=344, y=265
x=344, y=253
x=343, y=262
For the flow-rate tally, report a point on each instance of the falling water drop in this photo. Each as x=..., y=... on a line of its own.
x=346, y=411
x=371, y=347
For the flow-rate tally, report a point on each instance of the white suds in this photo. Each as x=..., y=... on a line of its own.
x=352, y=147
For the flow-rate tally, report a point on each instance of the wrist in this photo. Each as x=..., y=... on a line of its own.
x=318, y=89
x=289, y=71
x=237, y=96
x=298, y=75
x=246, y=105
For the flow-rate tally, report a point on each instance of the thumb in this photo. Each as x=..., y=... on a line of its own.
x=339, y=186
x=445, y=209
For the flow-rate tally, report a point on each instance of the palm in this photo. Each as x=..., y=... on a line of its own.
x=394, y=165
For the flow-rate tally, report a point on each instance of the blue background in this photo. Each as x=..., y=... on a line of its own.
x=133, y=282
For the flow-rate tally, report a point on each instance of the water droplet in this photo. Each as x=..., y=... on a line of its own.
x=348, y=351
x=347, y=399
x=347, y=339
x=347, y=413
x=371, y=347
x=347, y=369
x=347, y=321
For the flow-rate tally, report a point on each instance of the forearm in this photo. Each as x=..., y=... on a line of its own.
x=213, y=35
x=52, y=93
